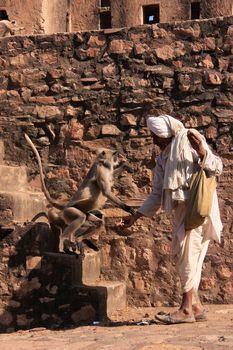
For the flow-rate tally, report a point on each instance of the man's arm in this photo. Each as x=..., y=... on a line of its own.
x=196, y=143
x=153, y=201
x=213, y=164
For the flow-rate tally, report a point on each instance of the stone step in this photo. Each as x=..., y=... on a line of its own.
x=24, y=205
x=110, y=295
x=83, y=270
x=89, y=268
x=83, y=277
x=13, y=178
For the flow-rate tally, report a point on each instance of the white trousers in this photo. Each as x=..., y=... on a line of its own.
x=189, y=259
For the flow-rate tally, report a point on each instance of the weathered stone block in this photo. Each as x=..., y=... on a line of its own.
x=211, y=133
x=28, y=43
x=207, y=62
x=110, y=130
x=224, y=115
x=223, y=144
x=165, y=53
x=33, y=262
x=207, y=283
x=138, y=283
x=73, y=131
x=160, y=33
x=224, y=272
x=3, y=94
x=47, y=112
x=89, y=53
x=50, y=57
x=56, y=73
x=120, y=47
x=160, y=70
x=230, y=30
x=141, y=48
x=110, y=71
x=38, y=88
x=96, y=40
x=34, y=74
x=184, y=82
x=42, y=99
x=228, y=80
x=188, y=30
x=128, y=120
x=223, y=63
x=213, y=77
x=138, y=35
x=21, y=60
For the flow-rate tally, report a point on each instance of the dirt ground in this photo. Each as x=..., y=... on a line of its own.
x=132, y=329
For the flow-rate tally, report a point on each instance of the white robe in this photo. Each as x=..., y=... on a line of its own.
x=182, y=244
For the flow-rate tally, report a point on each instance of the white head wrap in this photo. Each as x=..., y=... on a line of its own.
x=164, y=126
x=179, y=163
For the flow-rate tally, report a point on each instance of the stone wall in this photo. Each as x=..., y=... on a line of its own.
x=73, y=93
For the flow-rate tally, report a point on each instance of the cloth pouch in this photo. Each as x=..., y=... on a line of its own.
x=200, y=198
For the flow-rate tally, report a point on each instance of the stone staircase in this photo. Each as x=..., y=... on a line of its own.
x=18, y=199
x=77, y=284
x=86, y=284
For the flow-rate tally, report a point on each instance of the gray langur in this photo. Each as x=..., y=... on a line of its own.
x=81, y=214
x=8, y=27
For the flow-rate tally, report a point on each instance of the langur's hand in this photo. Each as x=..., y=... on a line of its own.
x=129, y=209
x=128, y=221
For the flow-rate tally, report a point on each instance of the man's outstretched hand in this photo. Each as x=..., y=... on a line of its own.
x=128, y=221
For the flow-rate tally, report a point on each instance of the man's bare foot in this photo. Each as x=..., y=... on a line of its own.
x=197, y=309
x=179, y=316
x=199, y=313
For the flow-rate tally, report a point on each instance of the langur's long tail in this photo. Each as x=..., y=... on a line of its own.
x=44, y=189
x=39, y=215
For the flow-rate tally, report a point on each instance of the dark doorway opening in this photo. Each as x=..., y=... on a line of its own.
x=105, y=20
x=105, y=3
x=3, y=15
x=151, y=14
x=195, y=10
